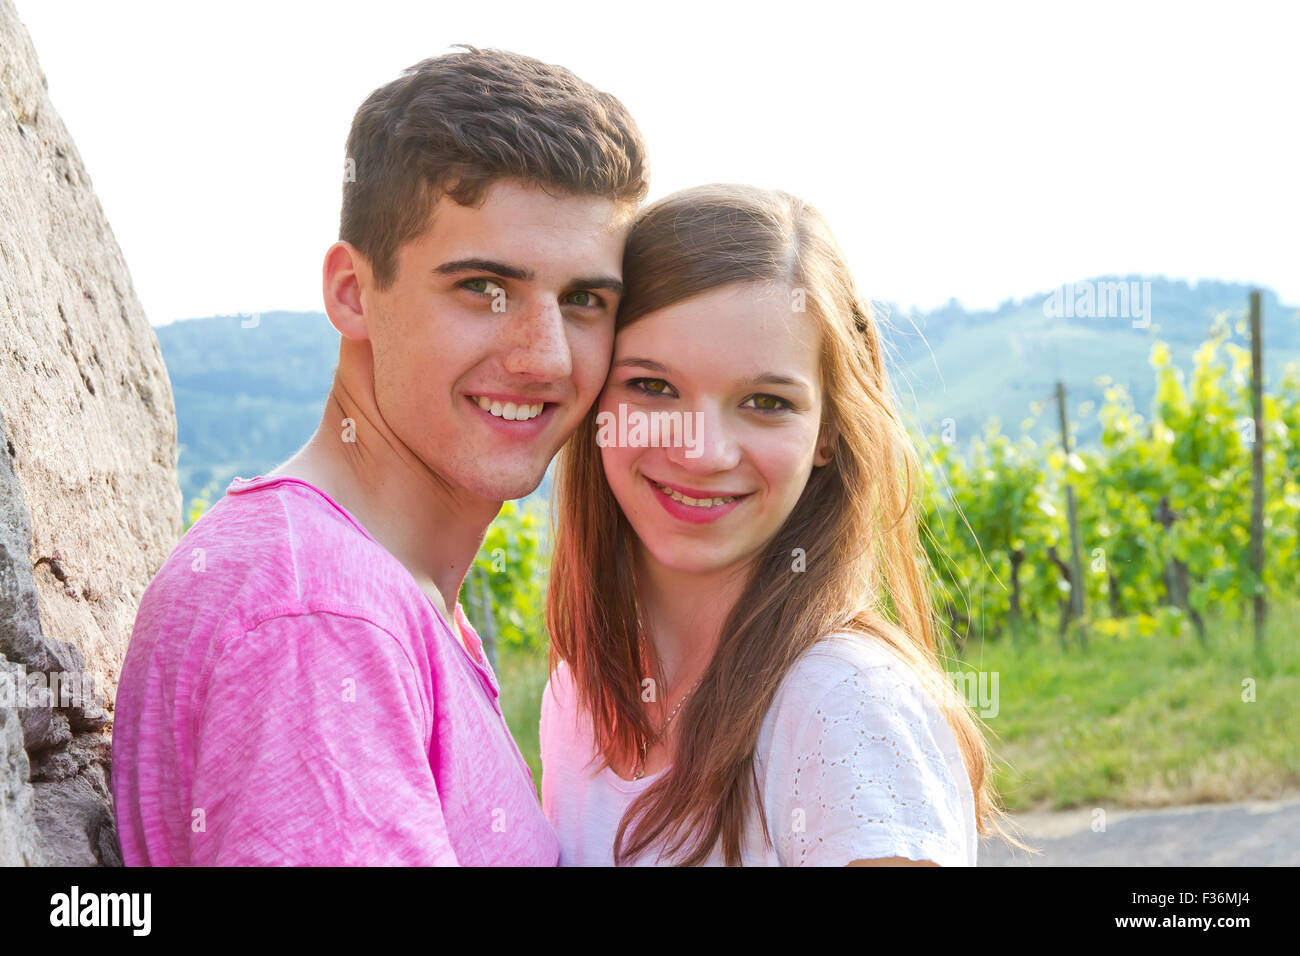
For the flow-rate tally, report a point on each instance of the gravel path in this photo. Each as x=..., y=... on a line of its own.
x=1255, y=833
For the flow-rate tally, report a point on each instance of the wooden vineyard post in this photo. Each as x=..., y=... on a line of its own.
x=1076, y=564
x=1257, y=469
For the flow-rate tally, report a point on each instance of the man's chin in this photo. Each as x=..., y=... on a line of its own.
x=499, y=487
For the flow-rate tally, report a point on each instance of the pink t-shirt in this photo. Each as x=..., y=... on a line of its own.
x=291, y=696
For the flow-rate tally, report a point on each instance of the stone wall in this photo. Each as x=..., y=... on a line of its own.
x=89, y=503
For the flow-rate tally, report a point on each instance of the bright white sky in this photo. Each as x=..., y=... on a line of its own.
x=970, y=151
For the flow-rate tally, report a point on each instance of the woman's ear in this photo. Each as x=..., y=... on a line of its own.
x=826, y=440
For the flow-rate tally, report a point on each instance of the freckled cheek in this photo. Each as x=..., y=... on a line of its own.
x=590, y=352
x=434, y=369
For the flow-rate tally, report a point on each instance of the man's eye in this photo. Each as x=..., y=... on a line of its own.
x=585, y=299
x=767, y=403
x=482, y=286
x=650, y=386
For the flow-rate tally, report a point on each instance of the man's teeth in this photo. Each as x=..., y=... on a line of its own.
x=509, y=410
x=693, y=502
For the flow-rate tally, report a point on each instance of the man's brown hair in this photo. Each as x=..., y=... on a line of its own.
x=453, y=125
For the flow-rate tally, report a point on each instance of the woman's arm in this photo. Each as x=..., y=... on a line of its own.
x=859, y=774
x=892, y=861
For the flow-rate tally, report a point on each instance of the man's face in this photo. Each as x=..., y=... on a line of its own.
x=495, y=337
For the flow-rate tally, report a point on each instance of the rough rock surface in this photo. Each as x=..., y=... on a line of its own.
x=89, y=503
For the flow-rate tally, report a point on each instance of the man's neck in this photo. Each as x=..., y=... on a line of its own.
x=435, y=530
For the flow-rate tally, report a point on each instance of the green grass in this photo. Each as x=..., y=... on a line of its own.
x=1146, y=721
x=1136, y=721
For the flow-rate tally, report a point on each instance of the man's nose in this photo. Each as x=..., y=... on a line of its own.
x=537, y=345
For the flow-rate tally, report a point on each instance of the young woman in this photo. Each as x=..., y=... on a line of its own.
x=743, y=664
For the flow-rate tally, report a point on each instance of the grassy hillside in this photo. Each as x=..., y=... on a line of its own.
x=246, y=398
x=970, y=367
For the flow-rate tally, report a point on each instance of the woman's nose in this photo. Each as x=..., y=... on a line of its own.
x=706, y=444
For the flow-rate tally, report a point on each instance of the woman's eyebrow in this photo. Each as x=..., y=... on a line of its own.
x=642, y=363
x=771, y=378
x=767, y=378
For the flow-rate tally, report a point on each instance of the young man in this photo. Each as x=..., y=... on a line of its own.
x=301, y=685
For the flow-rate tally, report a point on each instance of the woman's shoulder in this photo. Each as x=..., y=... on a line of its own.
x=560, y=727
x=560, y=710
x=859, y=751
x=854, y=700
x=560, y=679
x=557, y=695
x=860, y=660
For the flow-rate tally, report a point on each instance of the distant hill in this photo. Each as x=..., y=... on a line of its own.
x=973, y=366
x=248, y=398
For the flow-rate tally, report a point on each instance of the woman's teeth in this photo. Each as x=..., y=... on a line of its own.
x=510, y=411
x=693, y=502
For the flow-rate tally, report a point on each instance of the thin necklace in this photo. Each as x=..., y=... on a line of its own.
x=639, y=770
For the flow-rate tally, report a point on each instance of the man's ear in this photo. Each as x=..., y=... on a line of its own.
x=827, y=439
x=342, y=277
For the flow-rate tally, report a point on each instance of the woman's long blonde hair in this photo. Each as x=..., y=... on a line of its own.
x=856, y=523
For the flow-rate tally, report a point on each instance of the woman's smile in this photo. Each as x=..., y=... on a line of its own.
x=689, y=504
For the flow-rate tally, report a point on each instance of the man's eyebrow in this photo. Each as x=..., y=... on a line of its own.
x=600, y=282
x=506, y=271
x=484, y=265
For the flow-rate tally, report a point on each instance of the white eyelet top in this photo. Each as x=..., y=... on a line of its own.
x=855, y=761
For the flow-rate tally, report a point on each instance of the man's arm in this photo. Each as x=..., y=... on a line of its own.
x=310, y=749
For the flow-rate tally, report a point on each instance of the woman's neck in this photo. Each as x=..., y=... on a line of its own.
x=683, y=612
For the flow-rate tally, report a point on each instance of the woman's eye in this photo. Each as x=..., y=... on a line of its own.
x=585, y=299
x=651, y=386
x=767, y=403
x=481, y=286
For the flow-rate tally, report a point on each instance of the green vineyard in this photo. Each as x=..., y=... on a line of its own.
x=1163, y=508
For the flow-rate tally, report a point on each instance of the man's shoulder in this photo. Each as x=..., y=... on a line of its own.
x=279, y=511
x=276, y=546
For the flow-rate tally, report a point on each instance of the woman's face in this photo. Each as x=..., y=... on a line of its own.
x=741, y=368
